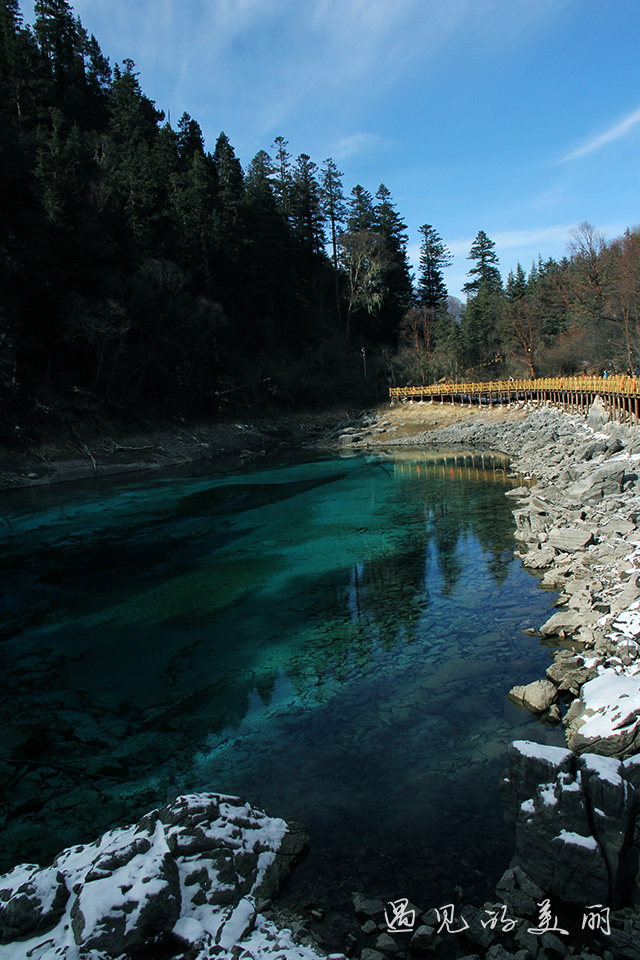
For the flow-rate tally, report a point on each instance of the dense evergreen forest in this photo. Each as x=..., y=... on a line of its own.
x=141, y=273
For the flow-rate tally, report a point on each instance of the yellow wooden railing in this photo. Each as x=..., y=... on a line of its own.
x=620, y=394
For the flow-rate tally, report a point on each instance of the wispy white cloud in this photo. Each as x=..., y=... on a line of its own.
x=534, y=238
x=548, y=198
x=359, y=143
x=614, y=132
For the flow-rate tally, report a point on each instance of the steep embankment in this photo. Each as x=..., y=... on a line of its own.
x=103, y=450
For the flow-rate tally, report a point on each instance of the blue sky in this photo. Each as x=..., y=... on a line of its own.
x=517, y=117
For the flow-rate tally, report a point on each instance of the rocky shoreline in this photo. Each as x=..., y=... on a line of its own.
x=578, y=527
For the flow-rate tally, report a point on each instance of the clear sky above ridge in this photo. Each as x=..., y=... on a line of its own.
x=517, y=117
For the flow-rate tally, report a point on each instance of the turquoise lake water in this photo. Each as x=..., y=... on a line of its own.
x=333, y=640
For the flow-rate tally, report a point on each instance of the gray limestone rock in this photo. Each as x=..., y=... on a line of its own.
x=607, y=479
x=203, y=856
x=567, y=622
x=118, y=910
x=628, y=595
x=621, y=742
x=537, y=696
x=598, y=414
x=293, y=848
x=478, y=931
x=519, y=892
x=539, y=558
x=387, y=945
x=498, y=952
x=570, y=539
x=366, y=907
x=569, y=673
x=612, y=801
x=586, y=451
x=425, y=940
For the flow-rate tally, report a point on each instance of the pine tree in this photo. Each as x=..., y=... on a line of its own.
x=269, y=259
x=485, y=272
x=483, y=314
x=306, y=206
x=60, y=41
x=230, y=175
x=361, y=215
x=398, y=280
x=516, y=287
x=282, y=176
x=138, y=194
x=192, y=196
x=20, y=65
x=335, y=212
x=434, y=258
x=189, y=139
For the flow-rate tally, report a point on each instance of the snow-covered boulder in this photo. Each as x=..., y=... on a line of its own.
x=606, y=718
x=190, y=874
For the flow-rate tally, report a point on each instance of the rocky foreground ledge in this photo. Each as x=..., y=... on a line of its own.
x=188, y=880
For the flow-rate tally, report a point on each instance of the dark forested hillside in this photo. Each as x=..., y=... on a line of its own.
x=141, y=272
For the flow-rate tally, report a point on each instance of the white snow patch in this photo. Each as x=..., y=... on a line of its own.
x=553, y=755
x=607, y=768
x=189, y=930
x=547, y=794
x=613, y=701
x=566, y=836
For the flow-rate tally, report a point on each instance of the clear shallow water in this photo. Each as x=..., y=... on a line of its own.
x=332, y=640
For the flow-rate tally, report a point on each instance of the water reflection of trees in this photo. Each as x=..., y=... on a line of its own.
x=451, y=498
x=463, y=495
x=435, y=505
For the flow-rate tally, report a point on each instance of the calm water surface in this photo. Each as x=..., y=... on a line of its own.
x=332, y=640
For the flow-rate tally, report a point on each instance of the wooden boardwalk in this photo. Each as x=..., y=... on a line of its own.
x=620, y=395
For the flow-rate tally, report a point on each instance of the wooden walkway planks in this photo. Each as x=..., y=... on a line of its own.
x=621, y=395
